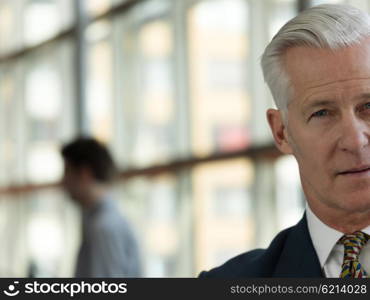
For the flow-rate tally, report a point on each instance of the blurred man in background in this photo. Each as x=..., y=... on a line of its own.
x=108, y=247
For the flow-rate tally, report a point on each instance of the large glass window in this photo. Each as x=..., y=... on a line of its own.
x=289, y=195
x=52, y=234
x=29, y=22
x=147, y=93
x=13, y=212
x=218, y=77
x=163, y=217
x=10, y=101
x=224, y=223
x=47, y=112
x=176, y=91
x=42, y=19
x=99, y=101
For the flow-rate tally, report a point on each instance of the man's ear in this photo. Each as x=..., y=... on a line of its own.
x=279, y=131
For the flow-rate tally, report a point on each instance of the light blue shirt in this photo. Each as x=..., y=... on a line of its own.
x=108, y=248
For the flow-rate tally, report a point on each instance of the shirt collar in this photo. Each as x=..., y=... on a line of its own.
x=323, y=237
x=366, y=230
x=100, y=204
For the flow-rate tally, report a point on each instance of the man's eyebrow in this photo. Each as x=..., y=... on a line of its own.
x=317, y=103
x=325, y=102
x=364, y=96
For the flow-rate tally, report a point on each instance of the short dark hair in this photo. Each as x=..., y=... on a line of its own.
x=88, y=152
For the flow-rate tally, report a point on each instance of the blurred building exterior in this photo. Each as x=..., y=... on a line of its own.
x=175, y=89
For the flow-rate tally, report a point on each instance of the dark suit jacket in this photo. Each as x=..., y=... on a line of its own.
x=290, y=254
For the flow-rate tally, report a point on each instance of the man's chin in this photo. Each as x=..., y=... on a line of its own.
x=356, y=203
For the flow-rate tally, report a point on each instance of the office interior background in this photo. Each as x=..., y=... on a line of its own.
x=174, y=88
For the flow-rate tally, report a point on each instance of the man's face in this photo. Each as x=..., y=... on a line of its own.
x=328, y=129
x=72, y=181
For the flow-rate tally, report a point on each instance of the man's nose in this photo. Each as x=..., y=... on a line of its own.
x=354, y=135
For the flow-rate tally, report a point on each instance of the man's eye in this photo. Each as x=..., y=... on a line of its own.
x=365, y=107
x=323, y=113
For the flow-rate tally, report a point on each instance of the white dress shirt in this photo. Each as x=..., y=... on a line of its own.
x=324, y=239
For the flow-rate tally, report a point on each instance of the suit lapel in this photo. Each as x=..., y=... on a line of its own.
x=298, y=258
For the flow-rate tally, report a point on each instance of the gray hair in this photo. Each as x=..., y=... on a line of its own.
x=328, y=26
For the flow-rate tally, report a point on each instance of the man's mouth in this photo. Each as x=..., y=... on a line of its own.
x=354, y=171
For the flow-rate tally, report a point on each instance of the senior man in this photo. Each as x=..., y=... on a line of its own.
x=318, y=70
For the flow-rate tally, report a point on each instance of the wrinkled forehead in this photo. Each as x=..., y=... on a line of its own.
x=309, y=68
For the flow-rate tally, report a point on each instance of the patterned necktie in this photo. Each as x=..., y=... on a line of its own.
x=353, y=243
